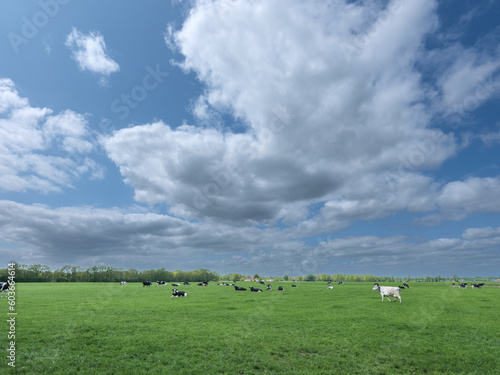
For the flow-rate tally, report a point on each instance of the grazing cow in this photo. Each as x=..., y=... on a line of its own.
x=330, y=287
x=478, y=286
x=262, y=282
x=239, y=288
x=406, y=285
x=178, y=293
x=341, y=282
x=161, y=283
x=280, y=288
x=462, y=286
x=294, y=286
x=401, y=287
x=146, y=283
x=268, y=287
x=123, y=283
x=4, y=287
x=252, y=289
x=387, y=291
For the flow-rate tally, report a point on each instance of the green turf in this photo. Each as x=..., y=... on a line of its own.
x=93, y=328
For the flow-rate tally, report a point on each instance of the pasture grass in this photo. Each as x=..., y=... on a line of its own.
x=104, y=328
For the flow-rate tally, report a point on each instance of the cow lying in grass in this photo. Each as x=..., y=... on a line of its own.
x=239, y=288
x=388, y=291
x=178, y=293
x=252, y=289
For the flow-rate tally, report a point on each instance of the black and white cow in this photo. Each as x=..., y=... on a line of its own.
x=462, y=286
x=146, y=283
x=239, y=288
x=340, y=282
x=330, y=287
x=123, y=283
x=161, y=283
x=280, y=288
x=268, y=287
x=406, y=285
x=294, y=286
x=252, y=289
x=187, y=283
x=178, y=293
x=4, y=287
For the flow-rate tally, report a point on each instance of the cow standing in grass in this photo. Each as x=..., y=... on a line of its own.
x=388, y=291
x=4, y=287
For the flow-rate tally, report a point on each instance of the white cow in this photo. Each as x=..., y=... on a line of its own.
x=388, y=291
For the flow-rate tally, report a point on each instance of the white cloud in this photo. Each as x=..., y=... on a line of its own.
x=481, y=233
x=89, y=51
x=38, y=150
x=317, y=122
x=114, y=236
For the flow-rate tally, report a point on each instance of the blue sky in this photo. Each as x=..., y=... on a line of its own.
x=270, y=137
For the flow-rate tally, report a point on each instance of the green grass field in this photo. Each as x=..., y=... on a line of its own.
x=89, y=328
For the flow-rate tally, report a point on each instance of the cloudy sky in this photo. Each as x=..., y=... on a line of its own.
x=253, y=136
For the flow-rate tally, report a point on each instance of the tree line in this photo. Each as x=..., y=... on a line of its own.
x=68, y=273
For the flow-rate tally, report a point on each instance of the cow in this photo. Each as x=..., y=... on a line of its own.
x=401, y=287
x=161, y=283
x=478, y=286
x=187, y=283
x=268, y=287
x=123, y=283
x=330, y=287
x=239, y=288
x=4, y=288
x=176, y=284
x=280, y=288
x=262, y=282
x=146, y=283
x=462, y=286
x=387, y=291
x=294, y=286
x=252, y=289
x=406, y=285
x=178, y=293
x=341, y=282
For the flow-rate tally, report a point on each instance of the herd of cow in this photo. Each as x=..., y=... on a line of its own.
x=464, y=285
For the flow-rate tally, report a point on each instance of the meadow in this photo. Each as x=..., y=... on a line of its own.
x=106, y=328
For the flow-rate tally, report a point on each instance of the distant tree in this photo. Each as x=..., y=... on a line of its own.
x=256, y=276
x=310, y=277
x=286, y=278
x=237, y=277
